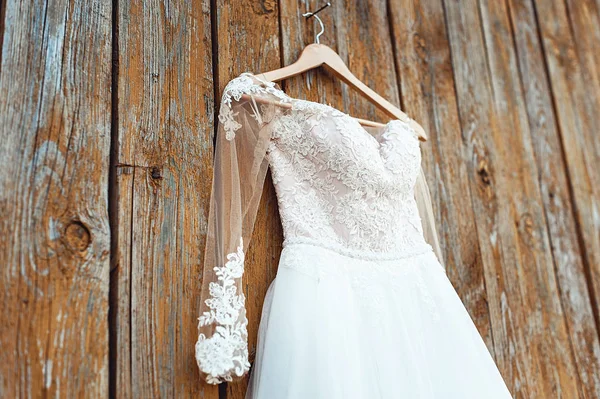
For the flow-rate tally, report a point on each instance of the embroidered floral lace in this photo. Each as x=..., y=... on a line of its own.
x=336, y=183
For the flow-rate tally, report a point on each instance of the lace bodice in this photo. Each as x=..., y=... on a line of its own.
x=337, y=185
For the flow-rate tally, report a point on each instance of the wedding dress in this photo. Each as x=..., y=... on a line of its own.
x=361, y=306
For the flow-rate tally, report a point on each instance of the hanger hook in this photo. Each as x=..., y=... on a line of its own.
x=314, y=14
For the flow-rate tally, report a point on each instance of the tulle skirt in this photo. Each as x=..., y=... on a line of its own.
x=340, y=324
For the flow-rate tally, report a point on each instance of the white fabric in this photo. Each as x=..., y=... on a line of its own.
x=361, y=306
x=339, y=326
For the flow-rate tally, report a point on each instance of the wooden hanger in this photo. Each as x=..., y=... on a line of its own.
x=316, y=54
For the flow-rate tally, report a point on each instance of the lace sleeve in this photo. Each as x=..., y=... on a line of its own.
x=423, y=199
x=240, y=164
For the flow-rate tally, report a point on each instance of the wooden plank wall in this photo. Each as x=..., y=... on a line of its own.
x=107, y=114
x=55, y=124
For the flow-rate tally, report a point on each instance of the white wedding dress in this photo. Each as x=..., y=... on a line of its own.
x=361, y=307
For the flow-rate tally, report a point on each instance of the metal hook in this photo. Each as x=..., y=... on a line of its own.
x=314, y=14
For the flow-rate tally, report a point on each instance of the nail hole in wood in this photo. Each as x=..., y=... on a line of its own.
x=156, y=173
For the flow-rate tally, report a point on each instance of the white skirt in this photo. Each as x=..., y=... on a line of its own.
x=337, y=324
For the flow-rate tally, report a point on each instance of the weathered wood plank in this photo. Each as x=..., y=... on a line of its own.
x=248, y=40
x=570, y=38
x=553, y=176
x=427, y=87
x=530, y=336
x=585, y=24
x=164, y=152
x=54, y=148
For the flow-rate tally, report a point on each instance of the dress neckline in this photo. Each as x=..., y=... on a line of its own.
x=376, y=137
x=380, y=131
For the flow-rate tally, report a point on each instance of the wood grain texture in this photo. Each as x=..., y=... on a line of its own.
x=511, y=224
x=247, y=34
x=165, y=124
x=585, y=22
x=427, y=85
x=569, y=256
x=55, y=245
x=570, y=43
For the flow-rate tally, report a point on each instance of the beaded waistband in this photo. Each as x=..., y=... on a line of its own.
x=358, y=253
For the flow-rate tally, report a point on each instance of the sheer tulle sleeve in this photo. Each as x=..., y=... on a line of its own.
x=240, y=165
x=423, y=199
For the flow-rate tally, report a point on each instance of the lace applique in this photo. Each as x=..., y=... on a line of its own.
x=226, y=351
x=337, y=183
x=244, y=84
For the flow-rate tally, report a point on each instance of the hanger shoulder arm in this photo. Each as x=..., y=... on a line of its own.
x=315, y=55
x=345, y=75
x=310, y=58
x=348, y=77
